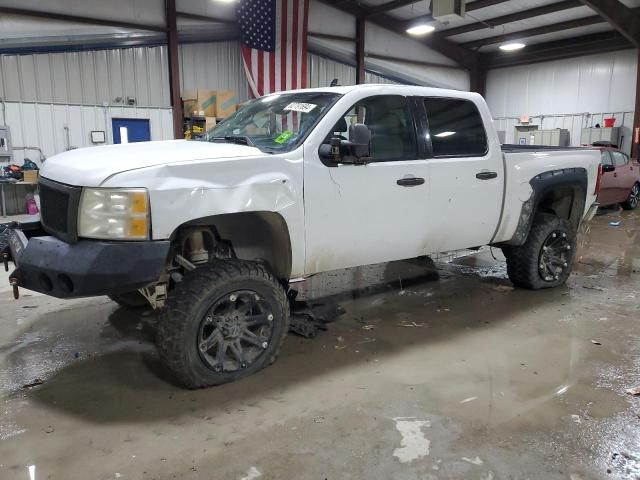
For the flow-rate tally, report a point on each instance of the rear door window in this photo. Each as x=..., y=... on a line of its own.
x=619, y=159
x=455, y=127
x=605, y=158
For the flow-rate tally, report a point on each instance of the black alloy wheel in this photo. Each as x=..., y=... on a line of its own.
x=235, y=331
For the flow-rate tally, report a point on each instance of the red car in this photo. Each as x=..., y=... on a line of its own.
x=620, y=181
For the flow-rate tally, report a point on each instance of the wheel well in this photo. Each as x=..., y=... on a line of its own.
x=565, y=202
x=257, y=236
x=560, y=192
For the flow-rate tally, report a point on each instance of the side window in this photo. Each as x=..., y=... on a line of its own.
x=605, y=157
x=455, y=127
x=390, y=121
x=619, y=159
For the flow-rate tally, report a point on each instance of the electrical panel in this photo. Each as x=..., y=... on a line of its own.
x=556, y=137
x=6, y=149
x=590, y=135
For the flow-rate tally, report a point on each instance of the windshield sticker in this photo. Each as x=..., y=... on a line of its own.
x=300, y=107
x=284, y=137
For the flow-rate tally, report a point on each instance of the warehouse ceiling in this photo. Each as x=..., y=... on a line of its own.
x=549, y=28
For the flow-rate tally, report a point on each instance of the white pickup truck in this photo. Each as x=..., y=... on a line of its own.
x=215, y=233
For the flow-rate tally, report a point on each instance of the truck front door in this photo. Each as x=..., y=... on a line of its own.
x=364, y=214
x=466, y=174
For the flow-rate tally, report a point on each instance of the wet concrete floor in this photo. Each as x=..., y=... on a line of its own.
x=444, y=373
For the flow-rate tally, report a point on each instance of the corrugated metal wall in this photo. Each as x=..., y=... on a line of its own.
x=102, y=76
x=87, y=78
x=47, y=93
x=572, y=93
x=214, y=66
x=54, y=128
x=323, y=70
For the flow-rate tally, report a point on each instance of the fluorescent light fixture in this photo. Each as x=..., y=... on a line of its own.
x=444, y=134
x=420, y=29
x=510, y=47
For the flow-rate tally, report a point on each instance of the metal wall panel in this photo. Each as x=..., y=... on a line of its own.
x=572, y=94
x=213, y=66
x=88, y=77
x=574, y=123
x=43, y=125
x=322, y=71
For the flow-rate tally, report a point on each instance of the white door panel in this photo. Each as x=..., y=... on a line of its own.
x=359, y=215
x=464, y=211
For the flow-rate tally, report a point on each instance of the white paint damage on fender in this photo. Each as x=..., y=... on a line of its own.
x=180, y=192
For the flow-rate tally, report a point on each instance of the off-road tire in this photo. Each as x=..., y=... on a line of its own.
x=188, y=304
x=523, y=261
x=634, y=198
x=130, y=300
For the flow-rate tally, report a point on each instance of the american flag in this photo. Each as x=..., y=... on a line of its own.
x=274, y=44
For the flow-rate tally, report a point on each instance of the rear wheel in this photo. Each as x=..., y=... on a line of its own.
x=224, y=321
x=634, y=198
x=546, y=258
x=130, y=300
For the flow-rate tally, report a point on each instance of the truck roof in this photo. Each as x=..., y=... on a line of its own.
x=391, y=89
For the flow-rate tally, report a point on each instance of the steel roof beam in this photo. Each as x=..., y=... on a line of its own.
x=512, y=17
x=80, y=19
x=624, y=19
x=532, y=32
x=557, y=50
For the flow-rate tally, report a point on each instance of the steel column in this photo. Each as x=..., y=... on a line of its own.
x=360, y=36
x=174, y=68
x=635, y=135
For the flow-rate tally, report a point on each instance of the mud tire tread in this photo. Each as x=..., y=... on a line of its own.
x=175, y=331
x=522, y=261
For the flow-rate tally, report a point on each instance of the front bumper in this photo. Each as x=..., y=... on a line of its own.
x=85, y=269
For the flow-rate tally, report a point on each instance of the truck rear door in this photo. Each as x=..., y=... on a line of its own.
x=466, y=174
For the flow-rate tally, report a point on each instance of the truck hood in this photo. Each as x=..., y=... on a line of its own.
x=89, y=167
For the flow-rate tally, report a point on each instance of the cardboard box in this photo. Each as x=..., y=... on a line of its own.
x=210, y=122
x=226, y=101
x=30, y=176
x=199, y=102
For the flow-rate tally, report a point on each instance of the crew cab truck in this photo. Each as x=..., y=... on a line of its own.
x=215, y=233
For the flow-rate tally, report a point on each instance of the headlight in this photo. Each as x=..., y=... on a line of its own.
x=114, y=213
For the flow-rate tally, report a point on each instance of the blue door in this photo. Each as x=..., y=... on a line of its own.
x=129, y=130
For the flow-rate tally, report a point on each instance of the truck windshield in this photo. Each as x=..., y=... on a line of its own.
x=275, y=123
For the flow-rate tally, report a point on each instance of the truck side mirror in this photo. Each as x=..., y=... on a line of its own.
x=354, y=151
x=608, y=168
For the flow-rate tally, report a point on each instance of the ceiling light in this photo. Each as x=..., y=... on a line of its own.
x=420, y=29
x=510, y=47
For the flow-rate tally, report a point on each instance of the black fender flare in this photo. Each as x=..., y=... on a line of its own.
x=543, y=184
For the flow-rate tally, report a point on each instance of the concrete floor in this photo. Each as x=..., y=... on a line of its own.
x=450, y=375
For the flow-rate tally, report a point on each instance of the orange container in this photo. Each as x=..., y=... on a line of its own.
x=609, y=122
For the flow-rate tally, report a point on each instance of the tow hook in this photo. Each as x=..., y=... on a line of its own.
x=5, y=260
x=14, y=283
